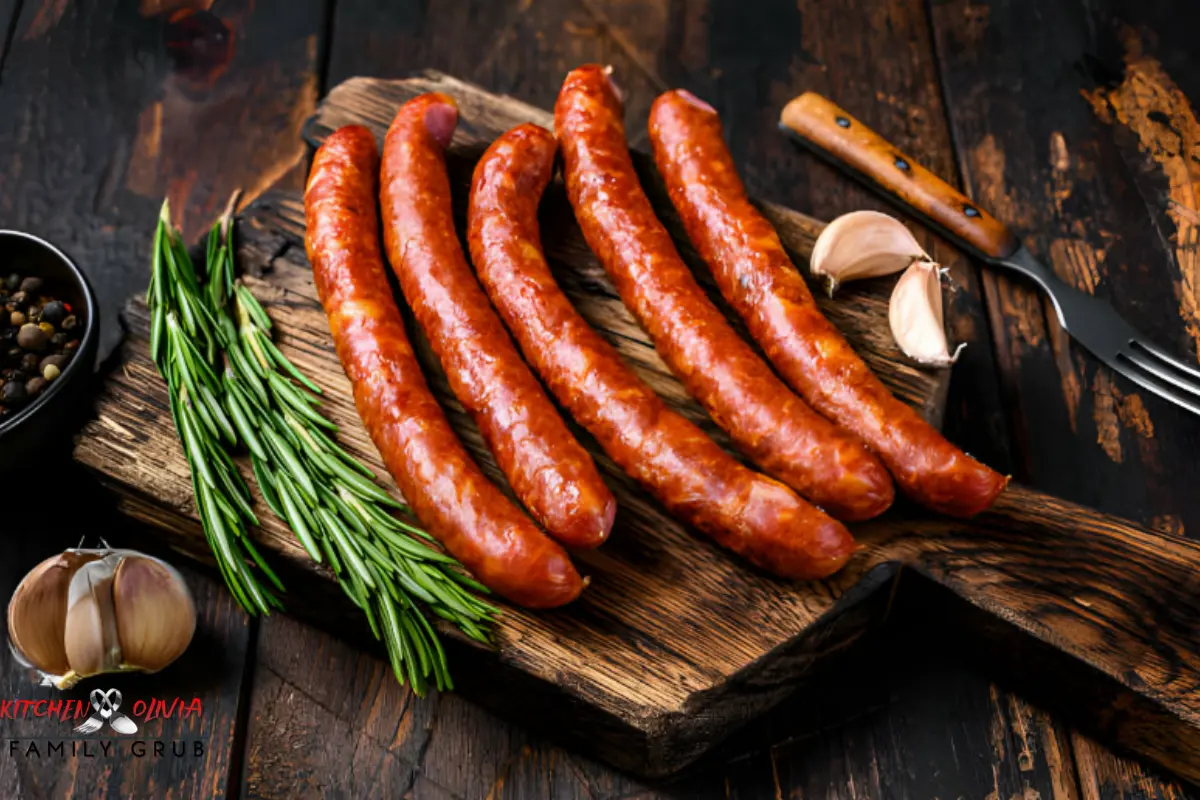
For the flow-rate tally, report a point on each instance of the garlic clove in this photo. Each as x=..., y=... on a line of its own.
x=863, y=244
x=38, y=610
x=90, y=633
x=915, y=314
x=155, y=614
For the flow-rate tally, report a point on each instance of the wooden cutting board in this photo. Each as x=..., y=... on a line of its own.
x=676, y=642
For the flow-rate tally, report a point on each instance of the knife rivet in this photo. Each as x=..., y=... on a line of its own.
x=970, y=211
x=843, y=122
x=901, y=163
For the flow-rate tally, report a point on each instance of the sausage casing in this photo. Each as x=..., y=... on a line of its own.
x=756, y=276
x=766, y=420
x=450, y=495
x=697, y=481
x=550, y=472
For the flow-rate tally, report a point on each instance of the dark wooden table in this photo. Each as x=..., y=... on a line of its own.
x=1071, y=119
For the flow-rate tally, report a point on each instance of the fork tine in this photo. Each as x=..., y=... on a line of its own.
x=1161, y=371
x=1130, y=370
x=1154, y=349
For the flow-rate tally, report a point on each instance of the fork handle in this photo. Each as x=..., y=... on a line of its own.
x=821, y=125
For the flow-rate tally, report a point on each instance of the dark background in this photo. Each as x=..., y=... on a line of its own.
x=1074, y=120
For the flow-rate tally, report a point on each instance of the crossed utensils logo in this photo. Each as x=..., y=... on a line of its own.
x=106, y=705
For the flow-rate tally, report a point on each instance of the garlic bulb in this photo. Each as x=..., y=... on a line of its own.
x=863, y=244
x=89, y=612
x=915, y=314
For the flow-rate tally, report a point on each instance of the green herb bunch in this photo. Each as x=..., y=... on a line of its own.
x=185, y=340
x=326, y=496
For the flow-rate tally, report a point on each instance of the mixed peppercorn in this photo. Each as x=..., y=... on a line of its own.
x=39, y=335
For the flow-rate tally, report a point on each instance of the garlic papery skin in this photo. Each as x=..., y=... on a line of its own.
x=37, y=612
x=156, y=616
x=916, y=318
x=863, y=244
x=90, y=635
x=90, y=612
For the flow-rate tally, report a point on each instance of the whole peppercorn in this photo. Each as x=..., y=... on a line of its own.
x=29, y=363
x=50, y=372
x=12, y=282
x=34, y=312
x=47, y=328
x=58, y=340
x=19, y=300
x=35, y=386
x=31, y=337
x=54, y=312
x=32, y=284
x=16, y=318
x=70, y=347
x=58, y=360
x=13, y=394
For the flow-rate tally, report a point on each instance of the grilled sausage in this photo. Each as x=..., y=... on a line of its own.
x=549, y=471
x=449, y=494
x=773, y=426
x=756, y=276
x=697, y=481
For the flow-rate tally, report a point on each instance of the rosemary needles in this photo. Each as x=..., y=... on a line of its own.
x=184, y=344
x=230, y=385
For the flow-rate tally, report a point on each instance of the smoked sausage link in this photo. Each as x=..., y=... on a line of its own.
x=767, y=421
x=697, y=481
x=550, y=472
x=756, y=276
x=448, y=492
x=758, y=279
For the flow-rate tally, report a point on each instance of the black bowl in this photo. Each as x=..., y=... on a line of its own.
x=43, y=428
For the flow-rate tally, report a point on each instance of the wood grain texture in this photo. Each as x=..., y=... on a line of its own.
x=834, y=134
x=861, y=735
x=109, y=109
x=1081, y=133
x=661, y=668
x=1045, y=151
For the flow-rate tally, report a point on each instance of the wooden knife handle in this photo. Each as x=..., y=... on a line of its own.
x=839, y=137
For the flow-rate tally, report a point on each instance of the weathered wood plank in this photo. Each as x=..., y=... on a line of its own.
x=109, y=107
x=1081, y=132
x=330, y=721
x=102, y=103
x=320, y=703
x=1059, y=147
x=1103, y=775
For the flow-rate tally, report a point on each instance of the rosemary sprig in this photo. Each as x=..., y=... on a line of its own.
x=184, y=343
x=325, y=495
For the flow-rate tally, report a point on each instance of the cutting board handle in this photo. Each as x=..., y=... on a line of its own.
x=1085, y=587
x=833, y=134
